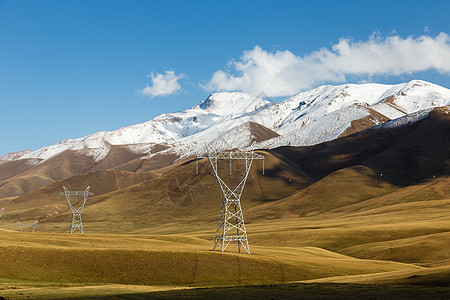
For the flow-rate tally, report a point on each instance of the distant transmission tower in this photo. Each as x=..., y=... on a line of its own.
x=76, y=212
x=231, y=227
x=1, y=212
x=34, y=226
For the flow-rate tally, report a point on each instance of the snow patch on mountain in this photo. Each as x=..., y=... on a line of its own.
x=405, y=120
x=225, y=104
x=14, y=155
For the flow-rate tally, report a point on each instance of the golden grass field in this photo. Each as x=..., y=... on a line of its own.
x=322, y=223
x=404, y=241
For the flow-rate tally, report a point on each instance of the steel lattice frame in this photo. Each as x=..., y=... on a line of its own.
x=34, y=226
x=231, y=226
x=1, y=212
x=76, y=212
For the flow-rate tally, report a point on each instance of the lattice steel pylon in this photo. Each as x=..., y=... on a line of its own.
x=34, y=226
x=231, y=226
x=1, y=212
x=76, y=212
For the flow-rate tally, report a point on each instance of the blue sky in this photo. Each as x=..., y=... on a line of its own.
x=70, y=68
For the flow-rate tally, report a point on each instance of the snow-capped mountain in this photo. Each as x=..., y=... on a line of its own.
x=223, y=119
x=14, y=155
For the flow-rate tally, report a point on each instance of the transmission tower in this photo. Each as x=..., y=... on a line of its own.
x=231, y=227
x=76, y=212
x=34, y=226
x=1, y=212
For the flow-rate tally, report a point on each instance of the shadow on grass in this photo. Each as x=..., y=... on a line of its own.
x=297, y=291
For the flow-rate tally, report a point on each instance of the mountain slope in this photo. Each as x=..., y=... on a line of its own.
x=375, y=164
x=224, y=120
x=417, y=147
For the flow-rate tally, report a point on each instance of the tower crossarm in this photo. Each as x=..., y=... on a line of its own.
x=75, y=193
x=232, y=155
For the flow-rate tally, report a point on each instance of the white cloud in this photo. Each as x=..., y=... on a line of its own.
x=282, y=73
x=163, y=84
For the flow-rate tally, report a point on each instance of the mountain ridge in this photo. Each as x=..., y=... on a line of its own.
x=307, y=118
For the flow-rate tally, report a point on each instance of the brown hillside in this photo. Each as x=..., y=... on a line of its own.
x=339, y=189
x=9, y=169
x=43, y=202
x=178, y=194
x=373, y=119
x=22, y=184
x=117, y=155
x=403, y=155
x=261, y=133
x=20, y=177
x=420, y=154
x=62, y=166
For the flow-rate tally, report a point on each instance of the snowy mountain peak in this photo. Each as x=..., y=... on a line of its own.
x=14, y=155
x=418, y=83
x=232, y=103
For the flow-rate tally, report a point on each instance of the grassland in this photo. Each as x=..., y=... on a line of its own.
x=337, y=253
x=360, y=217
x=346, y=229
